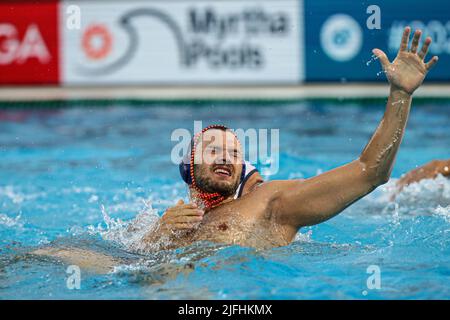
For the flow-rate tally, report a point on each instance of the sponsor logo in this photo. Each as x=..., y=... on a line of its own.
x=96, y=42
x=341, y=37
x=14, y=49
x=439, y=31
x=203, y=40
x=28, y=42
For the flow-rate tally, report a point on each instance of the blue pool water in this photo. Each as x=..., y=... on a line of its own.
x=59, y=167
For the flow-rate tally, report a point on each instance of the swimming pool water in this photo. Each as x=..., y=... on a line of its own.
x=59, y=167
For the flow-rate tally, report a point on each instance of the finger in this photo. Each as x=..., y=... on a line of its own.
x=186, y=206
x=415, y=41
x=188, y=212
x=184, y=226
x=183, y=210
x=382, y=57
x=424, y=50
x=180, y=202
x=188, y=219
x=432, y=62
x=405, y=39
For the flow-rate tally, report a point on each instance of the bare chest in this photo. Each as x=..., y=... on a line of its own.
x=235, y=225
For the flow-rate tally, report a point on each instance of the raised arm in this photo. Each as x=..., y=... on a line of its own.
x=311, y=201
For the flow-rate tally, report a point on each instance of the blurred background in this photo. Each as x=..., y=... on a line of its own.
x=176, y=49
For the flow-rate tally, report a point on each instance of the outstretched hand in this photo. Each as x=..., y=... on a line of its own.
x=409, y=69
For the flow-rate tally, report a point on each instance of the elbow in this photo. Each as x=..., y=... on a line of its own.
x=376, y=179
x=374, y=175
x=380, y=180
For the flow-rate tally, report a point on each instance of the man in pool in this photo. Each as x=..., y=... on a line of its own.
x=269, y=214
x=272, y=212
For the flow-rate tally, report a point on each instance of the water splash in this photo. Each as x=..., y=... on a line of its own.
x=128, y=234
x=424, y=197
x=304, y=237
x=10, y=222
x=372, y=59
x=17, y=197
x=443, y=212
x=401, y=101
x=419, y=198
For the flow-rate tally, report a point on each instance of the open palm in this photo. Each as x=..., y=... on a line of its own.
x=409, y=69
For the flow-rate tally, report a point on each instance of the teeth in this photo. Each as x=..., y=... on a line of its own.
x=222, y=171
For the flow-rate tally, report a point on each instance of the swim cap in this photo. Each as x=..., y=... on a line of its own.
x=187, y=170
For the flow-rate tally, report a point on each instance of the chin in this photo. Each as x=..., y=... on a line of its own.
x=224, y=187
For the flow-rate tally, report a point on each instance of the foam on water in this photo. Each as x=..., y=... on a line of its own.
x=418, y=198
x=10, y=222
x=17, y=197
x=128, y=234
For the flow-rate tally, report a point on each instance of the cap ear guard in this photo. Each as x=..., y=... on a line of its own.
x=243, y=172
x=185, y=172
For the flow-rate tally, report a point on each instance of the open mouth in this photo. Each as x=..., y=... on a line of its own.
x=223, y=171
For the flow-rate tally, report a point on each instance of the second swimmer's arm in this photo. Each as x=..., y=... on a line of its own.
x=427, y=171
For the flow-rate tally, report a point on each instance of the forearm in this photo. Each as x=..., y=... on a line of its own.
x=156, y=238
x=427, y=171
x=379, y=155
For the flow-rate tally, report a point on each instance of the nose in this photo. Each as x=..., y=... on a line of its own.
x=224, y=157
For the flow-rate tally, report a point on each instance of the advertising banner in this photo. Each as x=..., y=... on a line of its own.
x=340, y=36
x=29, y=47
x=204, y=42
x=183, y=42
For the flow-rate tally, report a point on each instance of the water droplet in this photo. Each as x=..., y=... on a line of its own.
x=372, y=59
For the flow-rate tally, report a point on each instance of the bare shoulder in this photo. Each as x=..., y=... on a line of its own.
x=274, y=187
x=263, y=196
x=254, y=181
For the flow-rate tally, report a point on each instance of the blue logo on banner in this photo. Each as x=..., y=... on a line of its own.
x=341, y=37
x=338, y=43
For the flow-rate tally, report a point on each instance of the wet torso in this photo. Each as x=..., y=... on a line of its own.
x=244, y=221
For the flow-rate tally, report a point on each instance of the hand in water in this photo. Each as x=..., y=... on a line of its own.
x=181, y=217
x=409, y=69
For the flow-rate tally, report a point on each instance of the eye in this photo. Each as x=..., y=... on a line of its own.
x=236, y=154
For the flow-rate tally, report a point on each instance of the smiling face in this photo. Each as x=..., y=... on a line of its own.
x=218, y=162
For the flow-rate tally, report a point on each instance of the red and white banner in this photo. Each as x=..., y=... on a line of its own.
x=29, y=47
